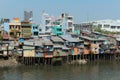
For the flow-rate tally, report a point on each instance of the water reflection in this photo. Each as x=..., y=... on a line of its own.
x=102, y=71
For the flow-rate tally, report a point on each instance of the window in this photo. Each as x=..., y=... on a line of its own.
x=10, y=27
x=95, y=42
x=27, y=26
x=47, y=22
x=59, y=29
x=16, y=27
x=113, y=27
x=70, y=18
x=118, y=27
x=99, y=26
x=40, y=29
x=11, y=33
x=106, y=26
x=70, y=24
x=36, y=33
x=13, y=27
x=19, y=27
x=35, y=27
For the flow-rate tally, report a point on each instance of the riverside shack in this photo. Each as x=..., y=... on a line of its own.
x=59, y=46
x=92, y=48
x=73, y=43
x=4, y=49
x=60, y=50
x=28, y=49
x=92, y=43
x=41, y=47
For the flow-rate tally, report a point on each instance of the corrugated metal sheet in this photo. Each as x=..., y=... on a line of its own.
x=39, y=54
x=56, y=39
x=28, y=43
x=28, y=47
x=29, y=53
x=70, y=39
x=38, y=42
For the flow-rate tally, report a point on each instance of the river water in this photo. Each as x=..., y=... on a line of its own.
x=91, y=71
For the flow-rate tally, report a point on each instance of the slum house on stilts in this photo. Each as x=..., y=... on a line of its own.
x=76, y=47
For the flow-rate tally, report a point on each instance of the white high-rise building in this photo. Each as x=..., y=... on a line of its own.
x=46, y=22
x=108, y=25
x=67, y=22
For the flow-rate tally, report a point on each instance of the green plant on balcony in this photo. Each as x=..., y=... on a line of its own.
x=15, y=35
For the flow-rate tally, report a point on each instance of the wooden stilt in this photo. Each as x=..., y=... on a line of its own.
x=98, y=57
x=23, y=60
x=73, y=58
x=94, y=57
x=91, y=57
x=39, y=60
x=77, y=57
x=49, y=61
x=110, y=57
x=27, y=60
x=104, y=57
x=83, y=56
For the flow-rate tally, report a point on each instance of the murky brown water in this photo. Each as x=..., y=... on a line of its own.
x=102, y=71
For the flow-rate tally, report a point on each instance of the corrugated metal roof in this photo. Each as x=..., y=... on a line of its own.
x=91, y=39
x=28, y=43
x=38, y=42
x=61, y=46
x=57, y=46
x=118, y=39
x=65, y=48
x=70, y=39
x=48, y=43
x=56, y=39
x=28, y=47
x=5, y=42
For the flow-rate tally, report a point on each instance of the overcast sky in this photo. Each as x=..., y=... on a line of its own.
x=82, y=10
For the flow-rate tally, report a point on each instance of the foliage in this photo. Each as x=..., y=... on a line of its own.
x=104, y=31
x=15, y=35
x=1, y=37
x=56, y=59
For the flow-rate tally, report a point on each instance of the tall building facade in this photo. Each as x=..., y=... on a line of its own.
x=26, y=31
x=6, y=24
x=46, y=22
x=14, y=29
x=28, y=15
x=67, y=22
x=108, y=25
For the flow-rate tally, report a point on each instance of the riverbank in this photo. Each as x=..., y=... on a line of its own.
x=9, y=63
x=16, y=60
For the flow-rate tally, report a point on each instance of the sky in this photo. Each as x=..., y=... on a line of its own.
x=82, y=10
